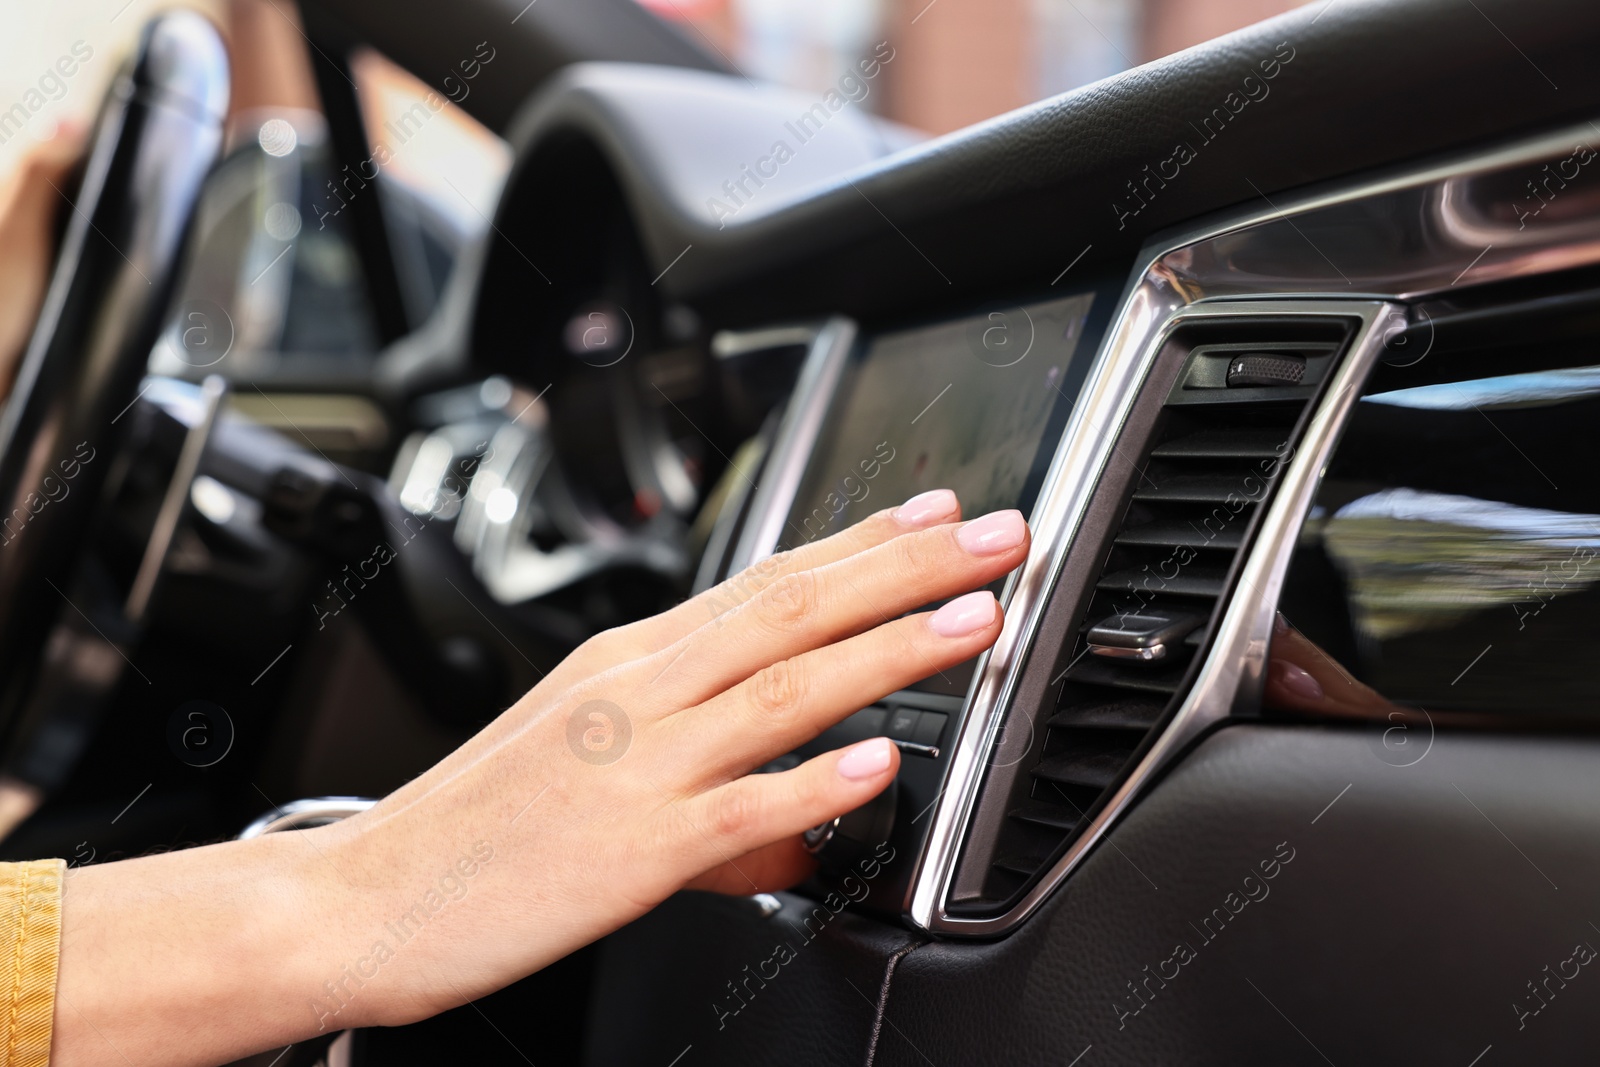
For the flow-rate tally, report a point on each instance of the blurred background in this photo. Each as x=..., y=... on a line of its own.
x=972, y=58
x=274, y=244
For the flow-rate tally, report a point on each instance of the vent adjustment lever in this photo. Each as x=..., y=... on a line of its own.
x=1145, y=636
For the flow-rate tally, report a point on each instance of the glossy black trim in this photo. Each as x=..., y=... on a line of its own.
x=328, y=53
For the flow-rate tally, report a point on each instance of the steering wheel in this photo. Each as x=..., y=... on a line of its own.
x=158, y=134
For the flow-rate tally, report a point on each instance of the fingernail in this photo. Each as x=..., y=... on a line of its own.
x=964, y=615
x=993, y=533
x=1280, y=625
x=1297, y=680
x=925, y=509
x=866, y=760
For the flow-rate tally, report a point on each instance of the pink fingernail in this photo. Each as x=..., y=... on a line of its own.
x=994, y=533
x=965, y=615
x=925, y=509
x=866, y=760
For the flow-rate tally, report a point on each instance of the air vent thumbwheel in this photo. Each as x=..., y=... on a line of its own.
x=1266, y=368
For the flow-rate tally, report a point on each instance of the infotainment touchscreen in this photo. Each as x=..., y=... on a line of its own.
x=976, y=405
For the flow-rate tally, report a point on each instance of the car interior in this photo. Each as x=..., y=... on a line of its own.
x=1277, y=759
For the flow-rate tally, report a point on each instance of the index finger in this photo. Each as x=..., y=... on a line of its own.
x=918, y=513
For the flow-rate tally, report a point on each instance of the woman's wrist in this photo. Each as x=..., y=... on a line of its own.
x=403, y=892
x=252, y=945
x=226, y=943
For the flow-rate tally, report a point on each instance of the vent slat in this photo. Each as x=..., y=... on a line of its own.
x=1025, y=864
x=1225, y=443
x=1187, y=582
x=1096, y=770
x=1201, y=489
x=1185, y=533
x=1053, y=816
x=1159, y=677
x=1132, y=713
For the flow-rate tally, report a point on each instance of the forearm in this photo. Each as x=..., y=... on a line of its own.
x=195, y=957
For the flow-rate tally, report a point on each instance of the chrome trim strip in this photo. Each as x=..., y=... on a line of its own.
x=213, y=393
x=746, y=460
x=1109, y=391
x=1401, y=236
x=1413, y=234
x=794, y=441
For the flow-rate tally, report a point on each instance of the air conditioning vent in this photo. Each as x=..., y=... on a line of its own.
x=1199, y=480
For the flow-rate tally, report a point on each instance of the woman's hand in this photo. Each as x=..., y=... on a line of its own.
x=621, y=778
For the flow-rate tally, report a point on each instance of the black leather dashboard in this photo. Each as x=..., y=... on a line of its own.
x=1007, y=205
x=1413, y=914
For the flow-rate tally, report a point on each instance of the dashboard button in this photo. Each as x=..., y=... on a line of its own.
x=903, y=723
x=930, y=728
x=868, y=722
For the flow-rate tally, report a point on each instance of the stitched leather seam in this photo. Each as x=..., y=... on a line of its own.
x=880, y=1015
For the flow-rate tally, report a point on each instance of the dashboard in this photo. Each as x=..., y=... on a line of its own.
x=1293, y=426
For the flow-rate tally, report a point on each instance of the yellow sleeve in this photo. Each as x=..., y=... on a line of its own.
x=30, y=942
